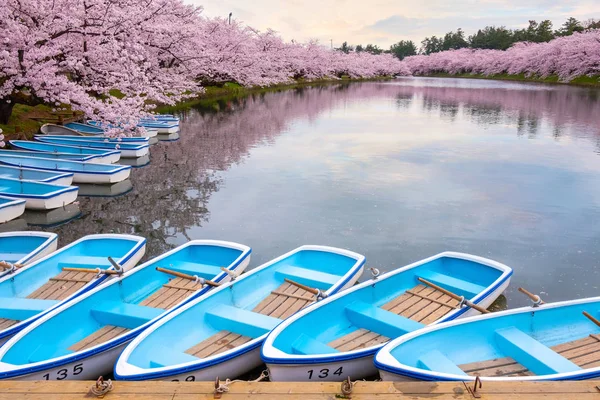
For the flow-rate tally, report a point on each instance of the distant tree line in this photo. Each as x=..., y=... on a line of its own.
x=490, y=37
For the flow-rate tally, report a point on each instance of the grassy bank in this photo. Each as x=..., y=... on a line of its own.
x=579, y=81
x=215, y=97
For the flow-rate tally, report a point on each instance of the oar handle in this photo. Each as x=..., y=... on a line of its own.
x=188, y=277
x=534, y=297
x=314, y=291
x=92, y=271
x=591, y=318
x=454, y=296
x=8, y=265
x=232, y=274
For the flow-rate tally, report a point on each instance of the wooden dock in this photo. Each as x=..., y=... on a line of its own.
x=67, y=390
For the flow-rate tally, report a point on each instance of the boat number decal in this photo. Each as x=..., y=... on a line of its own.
x=324, y=373
x=64, y=373
x=190, y=378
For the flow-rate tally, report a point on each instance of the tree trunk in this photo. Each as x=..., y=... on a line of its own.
x=5, y=110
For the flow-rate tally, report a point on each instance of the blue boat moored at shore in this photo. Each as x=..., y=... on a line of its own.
x=341, y=334
x=187, y=344
x=10, y=208
x=39, y=196
x=553, y=341
x=111, y=315
x=29, y=174
x=128, y=150
x=20, y=248
x=85, y=129
x=104, y=139
x=29, y=292
x=101, y=156
x=150, y=132
x=55, y=156
x=82, y=172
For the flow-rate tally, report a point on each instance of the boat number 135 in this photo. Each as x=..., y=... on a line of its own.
x=323, y=373
x=64, y=373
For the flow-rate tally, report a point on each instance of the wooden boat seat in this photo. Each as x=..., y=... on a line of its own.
x=6, y=323
x=102, y=335
x=124, y=315
x=453, y=284
x=240, y=321
x=62, y=285
x=15, y=308
x=532, y=354
x=583, y=352
x=205, y=271
x=308, y=277
x=380, y=321
x=171, y=293
x=306, y=345
x=282, y=302
x=420, y=304
x=434, y=360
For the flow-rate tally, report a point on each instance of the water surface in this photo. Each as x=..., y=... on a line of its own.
x=397, y=171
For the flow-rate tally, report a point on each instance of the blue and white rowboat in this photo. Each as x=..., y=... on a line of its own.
x=161, y=127
x=128, y=150
x=29, y=292
x=39, y=196
x=85, y=129
x=102, y=156
x=339, y=336
x=82, y=172
x=109, y=316
x=55, y=156
x=10, y=208
x=554, y=341
x=21, y=248
x=132, y=140
x=220, y=333
x=150, y=132
x=53, y=129
x=29, y=174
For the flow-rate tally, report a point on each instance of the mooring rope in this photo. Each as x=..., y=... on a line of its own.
x=224, y=387
x=101, y=387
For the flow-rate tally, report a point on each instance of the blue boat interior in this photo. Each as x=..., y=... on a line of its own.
x=61, y=165
x=55, y=148
x=44, y=284
x=94, y=143
x=76, y=126
x=28, y=188
x=38, y=154
x=531, y=342
x=125, y=304
x=17, y=173
x=392, y=306
x=246, y=310
x=15, y=247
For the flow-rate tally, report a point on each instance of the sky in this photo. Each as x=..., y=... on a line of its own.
x=384, y=22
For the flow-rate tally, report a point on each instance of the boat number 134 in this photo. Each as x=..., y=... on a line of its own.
x=323, y=373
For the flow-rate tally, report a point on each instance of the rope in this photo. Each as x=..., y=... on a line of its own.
x=221, y=388
x=101, y=387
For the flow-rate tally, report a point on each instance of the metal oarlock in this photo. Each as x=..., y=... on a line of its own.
x=537, y=300
x=374, y=272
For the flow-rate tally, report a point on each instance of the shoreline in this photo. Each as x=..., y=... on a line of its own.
x=582, y=81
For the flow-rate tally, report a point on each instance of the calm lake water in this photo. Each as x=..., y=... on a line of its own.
x=397, y=171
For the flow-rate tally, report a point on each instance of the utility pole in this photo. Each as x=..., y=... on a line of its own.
x=331, y=43
x=230, y=14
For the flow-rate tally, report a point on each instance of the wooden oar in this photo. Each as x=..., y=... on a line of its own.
x=232, y=274
x=537, y=300
x=7, y=265
x=455, y=296
x=115, y=265
x=316, y=292
x=591, y=318
x=189, y=277
x=93, y=271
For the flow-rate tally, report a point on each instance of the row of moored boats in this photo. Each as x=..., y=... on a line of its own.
x=39, y=174
x=190, y=314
